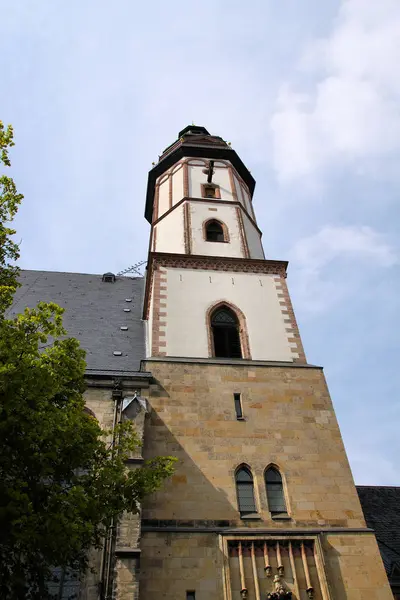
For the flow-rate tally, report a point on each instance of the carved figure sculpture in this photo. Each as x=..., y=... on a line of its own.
x=280, y=591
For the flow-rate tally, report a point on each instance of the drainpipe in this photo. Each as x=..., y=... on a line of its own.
x=106, y=555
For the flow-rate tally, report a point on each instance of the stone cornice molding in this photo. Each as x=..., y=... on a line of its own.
x=209, y=201
x=211, y=263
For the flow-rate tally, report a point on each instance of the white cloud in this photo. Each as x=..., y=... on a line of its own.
x=351, y=113
x=316, y=256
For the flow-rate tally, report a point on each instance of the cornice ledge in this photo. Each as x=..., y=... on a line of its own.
x=220, y=263
x=236, y=362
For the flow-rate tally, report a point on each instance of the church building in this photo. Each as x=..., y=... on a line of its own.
x=205, y=355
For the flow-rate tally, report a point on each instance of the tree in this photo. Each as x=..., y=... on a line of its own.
x=61, y=480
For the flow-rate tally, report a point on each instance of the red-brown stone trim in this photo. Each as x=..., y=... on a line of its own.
x=232, y=182
x=210, y=263
x=198, y=160
x=242, y=233
x=246, y=194
x=170, y=191
x=154, y=235
x=243, y=335
x=187, y=228
x=158, y=342
x=224, y=229
x=292, y=330
x=163, y=178
x=220, y=263
x=206, y=161
x=211, y=201
x=185, y=180
x=176, y=168
x=156, y=203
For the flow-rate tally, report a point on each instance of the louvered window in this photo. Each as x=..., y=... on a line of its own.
x=245, y=492
x=225, y=331
x=275, y=496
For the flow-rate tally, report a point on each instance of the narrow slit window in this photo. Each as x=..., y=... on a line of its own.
x=191, y=595
x=275, y=495
x=245, y=492
x=238, y=405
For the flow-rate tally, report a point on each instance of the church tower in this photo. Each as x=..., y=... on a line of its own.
x=262, y=503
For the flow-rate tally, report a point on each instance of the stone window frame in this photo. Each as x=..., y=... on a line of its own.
x=89, y=412
x=225, y=231
x=256, y=514
x=278, y=516
x=243, y=332
x=217, y=191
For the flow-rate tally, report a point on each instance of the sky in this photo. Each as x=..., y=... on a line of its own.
x=308, y=93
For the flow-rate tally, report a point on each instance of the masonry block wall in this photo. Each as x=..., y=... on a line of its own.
x=289, y=422
x=125, y=563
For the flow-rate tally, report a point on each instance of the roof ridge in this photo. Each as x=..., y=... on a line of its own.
x=390, y=487
x=74, y=273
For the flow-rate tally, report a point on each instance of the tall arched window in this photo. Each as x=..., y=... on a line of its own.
x=225, y=332
x=275, y=496
x=214, y=231
x=245, y=491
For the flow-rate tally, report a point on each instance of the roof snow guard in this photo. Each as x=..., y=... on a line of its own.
x=194, y=141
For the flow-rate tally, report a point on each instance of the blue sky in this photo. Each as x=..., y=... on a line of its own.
x=309, y=95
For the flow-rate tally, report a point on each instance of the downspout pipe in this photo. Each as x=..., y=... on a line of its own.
x=106, y=555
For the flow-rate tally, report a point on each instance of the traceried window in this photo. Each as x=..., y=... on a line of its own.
x=64, y=585
x=225, y=332
x=214, y=232
x=275, y=495
x=245, y=491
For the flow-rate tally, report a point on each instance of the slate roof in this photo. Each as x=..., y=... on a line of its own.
x=381, y=507
x=94, y=314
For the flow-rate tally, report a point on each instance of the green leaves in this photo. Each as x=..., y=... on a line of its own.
x=6, y=142
x=61, y=482
x=10, y=200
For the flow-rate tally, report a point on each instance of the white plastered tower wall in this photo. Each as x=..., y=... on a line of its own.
x=177, y=312
x=197, y=542
x=181, y=186
x=191, y=293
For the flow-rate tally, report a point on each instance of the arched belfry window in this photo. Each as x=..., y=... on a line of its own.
x=275, y=495
x=225, y=333
x=245, y=491
x=214, y=231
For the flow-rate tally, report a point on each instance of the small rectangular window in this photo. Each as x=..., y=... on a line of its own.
x=238, y=405
x=191, y=595
x=210, y=190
